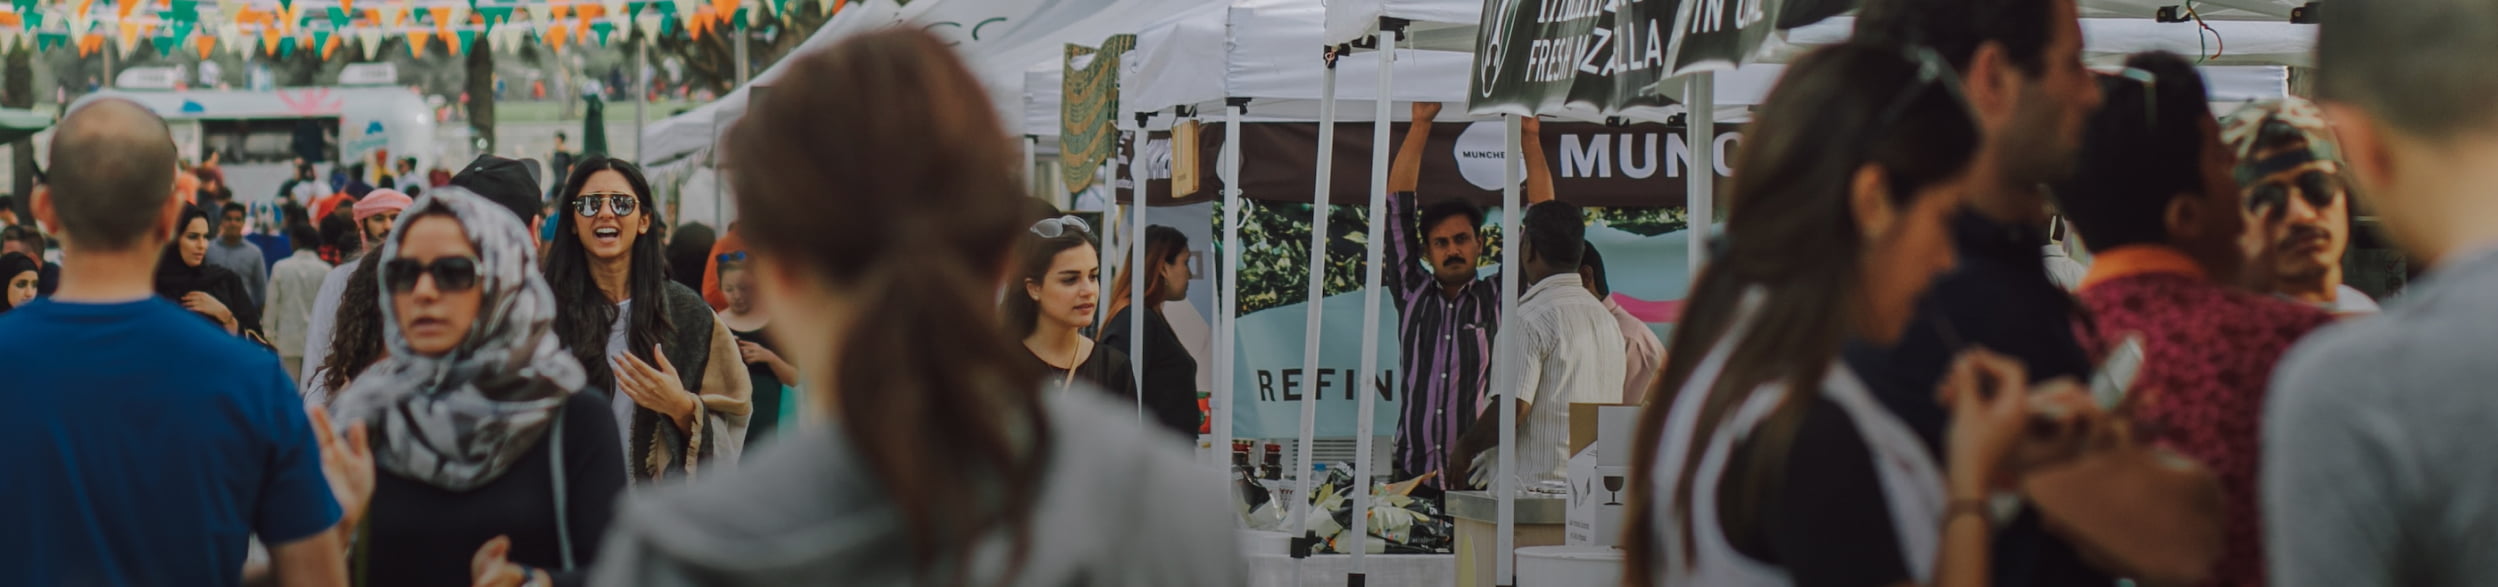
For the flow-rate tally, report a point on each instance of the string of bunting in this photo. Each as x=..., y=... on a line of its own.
x=280, y=28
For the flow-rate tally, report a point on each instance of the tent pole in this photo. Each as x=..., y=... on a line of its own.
x=1219, y=411
x=1361, y=390
x=1701, y=178
x=642, y=96
x=1137, y=172
x=1031, y=161
x=1316, y=305
x=1505, y=476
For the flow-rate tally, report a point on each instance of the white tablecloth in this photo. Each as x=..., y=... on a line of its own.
x=1328, y=570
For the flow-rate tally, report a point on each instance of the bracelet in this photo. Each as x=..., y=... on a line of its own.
x=1969, y=506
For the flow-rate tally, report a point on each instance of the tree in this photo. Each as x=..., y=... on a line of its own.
x=711, y=61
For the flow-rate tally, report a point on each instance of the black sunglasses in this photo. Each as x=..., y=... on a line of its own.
x=587, y=205
x=2272, y=197
x=451, y=274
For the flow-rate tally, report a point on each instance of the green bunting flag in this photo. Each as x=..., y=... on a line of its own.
x=603, y=28
x=468, y=38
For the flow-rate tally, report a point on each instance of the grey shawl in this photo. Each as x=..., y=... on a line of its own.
x=458, y=420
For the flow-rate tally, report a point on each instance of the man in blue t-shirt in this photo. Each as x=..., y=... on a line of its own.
x=148, y=446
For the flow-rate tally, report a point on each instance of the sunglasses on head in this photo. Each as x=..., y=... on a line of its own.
x=1055, y=227
x=2150, y=92
x=451, y=274
x=1932, y=71
x=2272, y=196
x=621, y=203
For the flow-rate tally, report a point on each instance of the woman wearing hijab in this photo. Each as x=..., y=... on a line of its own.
x=490, y=461
x=877, y=240
x=18, y=276
x=185, y=276
x=674, y=378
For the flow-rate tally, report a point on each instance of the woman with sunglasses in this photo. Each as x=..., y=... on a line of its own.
x=878, y=240
x=749, y=320
x=1060, y=275
x=670, y=368
x=1768, y=461
x=488, y=462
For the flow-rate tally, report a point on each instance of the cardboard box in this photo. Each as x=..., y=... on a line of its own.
x=1596, y=504
x=1606, y=426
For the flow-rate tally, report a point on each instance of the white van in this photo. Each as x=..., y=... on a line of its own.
x=258, y=134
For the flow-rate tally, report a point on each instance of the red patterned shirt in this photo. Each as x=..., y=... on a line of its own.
x=2209, y=353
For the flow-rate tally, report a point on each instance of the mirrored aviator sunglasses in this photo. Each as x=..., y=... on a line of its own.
x=451, y=274
x=2272, y=198
x=587, y=205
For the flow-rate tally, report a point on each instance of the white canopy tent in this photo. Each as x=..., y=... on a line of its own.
x=677, y=141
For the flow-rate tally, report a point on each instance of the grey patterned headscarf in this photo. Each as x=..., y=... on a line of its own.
x=457, y=421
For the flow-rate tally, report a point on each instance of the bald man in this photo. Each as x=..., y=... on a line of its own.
x=151, y=444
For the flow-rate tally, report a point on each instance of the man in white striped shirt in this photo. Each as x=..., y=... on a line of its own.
x=1564, y=348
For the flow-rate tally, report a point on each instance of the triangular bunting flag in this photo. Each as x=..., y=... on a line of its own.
x=396, y=16
x=330, y=47
x=603, y=28
x=451, y=44
x=634, y=9
x=539, y=11
x=612, y=7
x=286, y=47
x=128, y=40
x=122, y=8
x=347, y=5
x=442, y=18
x=459, y=15
x=560, y=11
x=467, y=39
x=34, y=20
x=269, y=39
x=81, y=12
x=649, y=25
x=339, y=16
x=321, y=38
x=724, y=6
x=207, y=44
x=164, y=45
x=416, y=42
x=89, y=44
x=371, y=40
x=555, y=35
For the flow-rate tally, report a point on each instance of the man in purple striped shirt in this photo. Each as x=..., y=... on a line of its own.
x=1446, y=313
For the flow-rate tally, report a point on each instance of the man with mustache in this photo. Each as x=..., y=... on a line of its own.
x=2291, y=174
x=1446, y=313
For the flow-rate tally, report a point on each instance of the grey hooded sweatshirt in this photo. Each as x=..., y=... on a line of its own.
x=1119, y=505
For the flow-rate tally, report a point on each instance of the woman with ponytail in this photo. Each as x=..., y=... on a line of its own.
x=881, y=237
x=1763, y=460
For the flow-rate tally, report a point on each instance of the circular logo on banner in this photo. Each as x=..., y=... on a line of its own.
x=1479, y=154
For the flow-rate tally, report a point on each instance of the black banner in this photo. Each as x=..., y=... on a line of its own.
x=1641, y=165
x=1536, y=57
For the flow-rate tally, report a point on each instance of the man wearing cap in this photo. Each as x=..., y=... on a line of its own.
x=2291, y=172
x=374, y=216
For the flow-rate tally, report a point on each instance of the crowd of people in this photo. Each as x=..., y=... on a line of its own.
x=895, y=369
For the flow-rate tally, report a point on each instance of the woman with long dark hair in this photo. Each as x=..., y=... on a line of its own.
x=1767, y=461
x=1170, y=382
x=185, y=276
x=1057, y=287
x=878, y=240
x=484, y=446
x=671, y=369
x=751, y=321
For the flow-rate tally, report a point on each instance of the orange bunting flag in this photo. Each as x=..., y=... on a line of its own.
x=442, y=18
x=206, y=44
x=556, y=35
x=329, y=49
x=373, y=15
x=559, y=10
x=724, y=9
x=589, y=11
x=123, y=8
x=452, y=43
x=87, y=45
x=82, y=13
x=347, y=6
x=269, y=39
x=416, y=42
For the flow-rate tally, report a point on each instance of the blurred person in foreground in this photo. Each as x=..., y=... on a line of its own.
x=477, y=415
x=2020, y=62
x=2376, y=465
x=2154, y=201
x=943, y=461
x=149, y=446
x=1764, y=460
x=2299, y=194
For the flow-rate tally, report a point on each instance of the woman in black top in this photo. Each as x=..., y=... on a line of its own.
x=1170, y=382
x=486, y=449
x=185, y=276
x=750, y=322
x=1061, y=274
